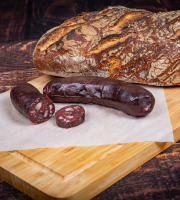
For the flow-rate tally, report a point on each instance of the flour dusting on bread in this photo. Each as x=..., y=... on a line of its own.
x=134, y=45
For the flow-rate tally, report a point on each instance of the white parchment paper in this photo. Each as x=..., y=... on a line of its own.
x=102, y=126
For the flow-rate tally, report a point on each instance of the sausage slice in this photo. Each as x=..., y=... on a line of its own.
x=70, y=116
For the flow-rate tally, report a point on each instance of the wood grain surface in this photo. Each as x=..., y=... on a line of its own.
x=21, y=25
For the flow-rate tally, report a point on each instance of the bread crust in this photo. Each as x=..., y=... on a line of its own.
x=134, y=45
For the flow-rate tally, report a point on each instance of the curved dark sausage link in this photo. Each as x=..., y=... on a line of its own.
x=31, y=103
x=129, y=98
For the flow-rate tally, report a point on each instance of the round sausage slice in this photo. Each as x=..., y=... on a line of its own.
x=70, y=116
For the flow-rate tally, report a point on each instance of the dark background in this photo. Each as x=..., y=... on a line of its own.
x=22, y=22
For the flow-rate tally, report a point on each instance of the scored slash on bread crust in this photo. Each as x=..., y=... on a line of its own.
x=134, y=45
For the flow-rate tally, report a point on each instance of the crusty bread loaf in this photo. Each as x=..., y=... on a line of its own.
x=128, y=44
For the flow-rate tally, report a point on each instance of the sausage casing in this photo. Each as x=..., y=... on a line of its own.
x=129, y=98
x=31, y=103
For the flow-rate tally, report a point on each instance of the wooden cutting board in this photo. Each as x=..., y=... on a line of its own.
x=81, y=172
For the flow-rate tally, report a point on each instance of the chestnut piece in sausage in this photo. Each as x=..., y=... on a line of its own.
x=129, y=98
x=70, y=116
x=31, y=103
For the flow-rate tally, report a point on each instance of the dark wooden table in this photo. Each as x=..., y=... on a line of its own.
x=21, y=25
